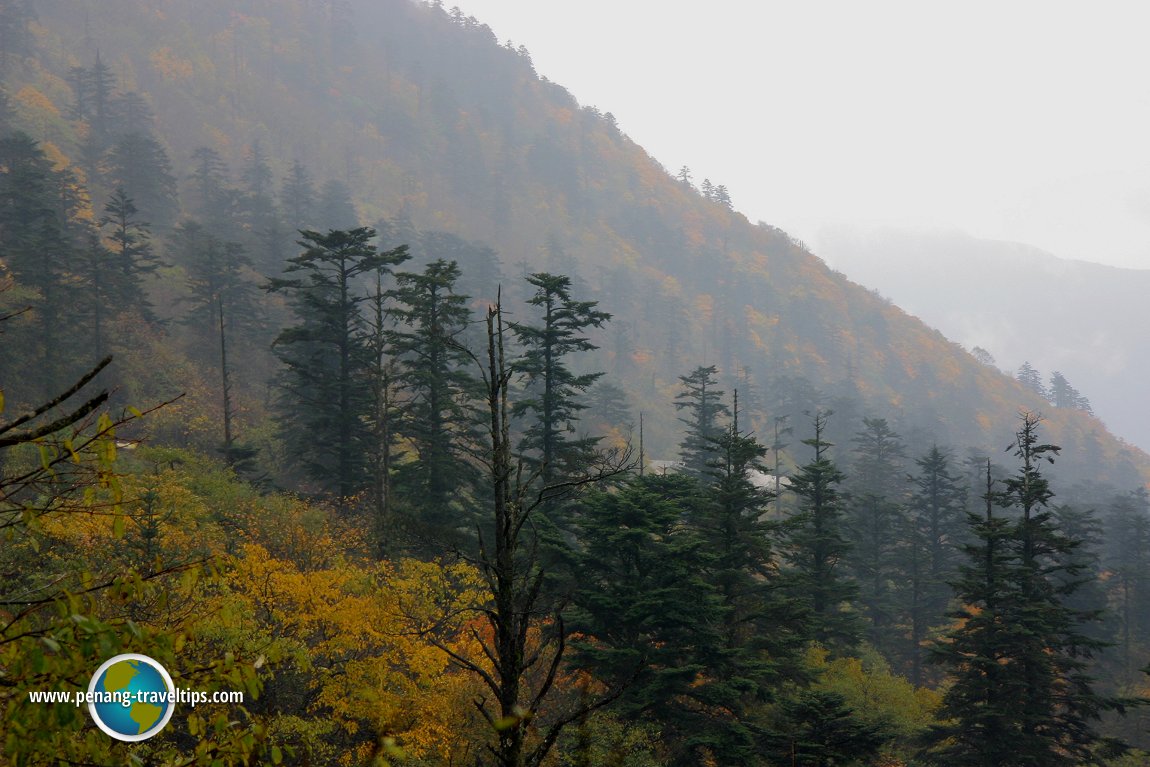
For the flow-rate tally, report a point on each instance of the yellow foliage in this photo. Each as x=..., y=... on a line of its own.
x=170, y=66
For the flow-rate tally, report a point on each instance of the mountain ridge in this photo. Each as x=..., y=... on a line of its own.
x=426, y=117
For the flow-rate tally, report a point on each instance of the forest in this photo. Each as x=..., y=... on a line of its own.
x=285, y=421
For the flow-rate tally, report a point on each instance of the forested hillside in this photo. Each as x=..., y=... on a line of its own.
x=426, y=122
x=335, y=348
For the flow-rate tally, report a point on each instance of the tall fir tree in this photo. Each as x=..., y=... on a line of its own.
x=438, y=414
x=222, y=305
x=937, y=531
x=323, y=398
x=702, y=400
x=1127, y=525
x=138, y=164
x=1022, y=693
x=38, y=215
x=648, y=617
x=877, y=522
x=816, y=545
x=553, y=390
x=132, y=254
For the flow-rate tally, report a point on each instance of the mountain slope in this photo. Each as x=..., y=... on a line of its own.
x=426, y=117
x=1085, y=320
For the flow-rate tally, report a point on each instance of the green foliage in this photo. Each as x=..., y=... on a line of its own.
x=703, y=404
x=1022, y=692
x=815, y=546
x=323, y=401
x=438, y=416
x=553, y=391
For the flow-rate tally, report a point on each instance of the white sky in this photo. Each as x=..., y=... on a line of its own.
x=1025, y=121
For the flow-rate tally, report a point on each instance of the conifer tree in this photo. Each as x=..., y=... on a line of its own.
x=703, y=403
x=936, y=532
x=438, y=416
x=1128, y=558
x=222, y=303
x=816, y=546
x=323, y=398
x=38, y=207
x=553, y=390
x=132, y=255
x=877, y=524
x=763, y=631
x=1031, y=379
x=139, y=165
x=649, y=616
x=1022, y=694
x=297, y=198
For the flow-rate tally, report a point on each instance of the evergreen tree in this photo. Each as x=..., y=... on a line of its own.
x=298, y=200
x=138, y=164
x=1062, y=394
x=816, y=546
x=438, y=416
x=1031, y=379
x=38, y=207
x=936, y=531
x=607, y=405
x=323, y=399
x=132, y=255
x=222, y=302
x=816, y=728
x=703, y=404
x=214, y=201
x=1021, y=694
x=1128, y=558
x=384, y=414
x=336, y=209
x=979, y=731
x=553, y=390
x=258, y=215
x=763, y=632
x=648, y=615
x=877, y=525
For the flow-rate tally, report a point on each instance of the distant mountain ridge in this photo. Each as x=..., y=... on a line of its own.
x=425, y=116
x=1021, y=304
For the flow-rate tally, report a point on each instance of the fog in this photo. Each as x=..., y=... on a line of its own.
x=1024, y=122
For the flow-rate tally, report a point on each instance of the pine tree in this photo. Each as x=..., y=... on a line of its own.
x=1031, y=379
x=214, y=202
x=336, y=209
x=38, y=213
x=1022, y=694
x=552, y=389
x=647, y=615
x=878, y=525
x=937, y=529
x=298, y=199
x=132, y=255
x=222, y=303
x=703, y=404
x=816, y=546
x=1128, y=558
x=323, y=397
x=1062, y=394
x=139, y=165
x=438, y=416
x=384, y=414
x=763, y=632
x=979, y=731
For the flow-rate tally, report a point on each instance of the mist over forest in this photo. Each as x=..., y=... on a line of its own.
x=348, y=363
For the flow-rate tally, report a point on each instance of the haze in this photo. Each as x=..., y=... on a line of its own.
x=1024, y=122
